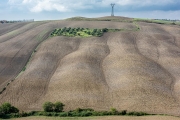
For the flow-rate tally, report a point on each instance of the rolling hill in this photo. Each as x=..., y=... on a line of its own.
x=134, y=70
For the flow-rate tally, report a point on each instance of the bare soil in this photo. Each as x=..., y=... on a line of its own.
x=126, y=70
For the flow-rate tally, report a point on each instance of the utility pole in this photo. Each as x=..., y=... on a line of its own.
x=112, y=5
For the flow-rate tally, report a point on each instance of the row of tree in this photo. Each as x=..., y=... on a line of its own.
x=72, y=32
x=53, y=107
x=7, y=108
x=56, y=109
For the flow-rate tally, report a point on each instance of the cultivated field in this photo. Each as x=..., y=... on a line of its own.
x=127, y=70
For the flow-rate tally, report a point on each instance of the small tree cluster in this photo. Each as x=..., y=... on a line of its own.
x=50, y=107
x=83, y=32
x=7, y=108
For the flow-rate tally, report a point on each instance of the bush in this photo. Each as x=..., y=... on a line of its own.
x=104, y=30
x=32, y=113
x=14, y=110
x=58, y=107
x=137, y=113
x=95, y=113
x=1, y=112
x=123, y=112
x=6, y=108
x=48, y=107
x=23, y=114
x=85, y=113
x=114, y=111
x=63, y=114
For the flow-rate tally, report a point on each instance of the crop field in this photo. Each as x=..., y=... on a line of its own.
x=135, y=68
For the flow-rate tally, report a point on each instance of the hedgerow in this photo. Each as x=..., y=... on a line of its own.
x=50, y=109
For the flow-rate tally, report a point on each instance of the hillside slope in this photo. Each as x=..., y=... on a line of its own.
x=126, y=70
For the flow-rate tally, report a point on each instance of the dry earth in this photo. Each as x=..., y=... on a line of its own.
x=127, y=70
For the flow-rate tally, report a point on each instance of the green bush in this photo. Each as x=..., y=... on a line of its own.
x=32, y=113
x=104, y=30
x=14, y=110
x=1, y=112
x=58, y=107
x=124, y=112
x=6, y=108
x=137, y=113
x=114, y=111
x=23, y=114
x=48, y=107
x=85, y=113
x=63, y=114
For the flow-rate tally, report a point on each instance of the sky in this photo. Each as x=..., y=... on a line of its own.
x=61, y=9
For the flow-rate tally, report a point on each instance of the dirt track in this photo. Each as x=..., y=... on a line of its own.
x=134, y=71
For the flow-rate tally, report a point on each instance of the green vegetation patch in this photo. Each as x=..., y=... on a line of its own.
x=8, y=111
x=81, y=32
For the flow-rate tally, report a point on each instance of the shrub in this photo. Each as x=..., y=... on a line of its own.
x=63, y=114
x=48, y=107
x=137, y=113
x=32, y=113
x=114, y=111
x=95, y=113
x=58, y=107
x=6, y=108
x=41, y=113
x=104, y=30
x=47, y=114
x=103, y=113
x=78, y=110
x=123, y=112
x=85, y=113
x=23, y=114
x=14, y=110
x=1, y=112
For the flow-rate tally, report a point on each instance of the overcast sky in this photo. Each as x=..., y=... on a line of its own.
x=60, y=9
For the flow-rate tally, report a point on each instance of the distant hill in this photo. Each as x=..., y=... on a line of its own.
x=134, y=70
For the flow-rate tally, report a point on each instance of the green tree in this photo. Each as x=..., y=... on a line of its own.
x=48, y=107
x=6, y=108
x=58, y=107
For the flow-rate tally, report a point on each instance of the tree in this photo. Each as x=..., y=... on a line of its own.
x=58, y=107
x=6, y=108
x=48, y=107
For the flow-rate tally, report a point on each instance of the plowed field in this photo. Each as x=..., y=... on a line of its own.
x=126, y=70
